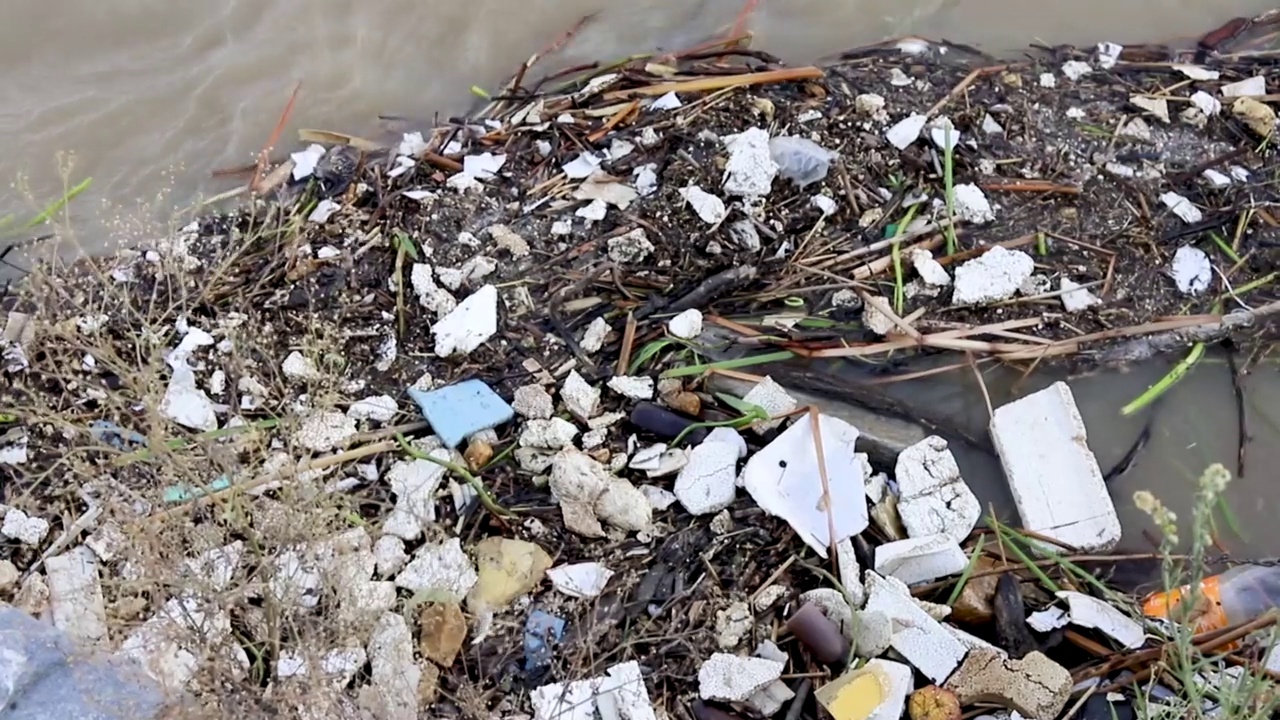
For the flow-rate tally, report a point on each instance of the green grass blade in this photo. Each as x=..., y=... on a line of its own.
x=764, y=359
x=1163, y=384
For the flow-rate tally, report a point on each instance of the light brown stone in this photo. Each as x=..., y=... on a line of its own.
x=442, y=630
x=1035, y=686
x=974, y=604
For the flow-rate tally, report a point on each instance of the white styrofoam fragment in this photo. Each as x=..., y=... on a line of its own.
x=918, y=638
x=1075, y=297
x=1054, y=477
x=1090, y=612
x=469, y=325
x=580, y=580
x=1207, y=104
x=995, y=275
x=1256, y=85
x=850, y=573
x=1047, y=620
x=933, y=498
x=708, y=207
x=1181, y=207
x=687, y=325
x=784, y=478
x=1215, y=178
x=75, y=597
x=24, y=528
x=1076, y=69
x=1191, y=270
x=708, y=483
x=971, y=204
x=750, y=169
x=773, y=399
x=731, y=678
x=920, y=559
x=634, y=387
x=902, y=683
x=906, y=131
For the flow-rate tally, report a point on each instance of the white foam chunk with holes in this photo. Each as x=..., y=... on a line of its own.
x=1054, y=477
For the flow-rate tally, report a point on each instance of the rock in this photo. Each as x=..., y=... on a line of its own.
x=933, y=498
x=442, y=630
x=46, y=677
x=686, y=325
x=708, y=483
x=507, y=569
x=1056, y=483
x=731, y=678
x=1035, y=686
x=732, y=624
x=533, y=401
x=996, y=275
x=580, y=580
x=974, y=604
x=469, y=325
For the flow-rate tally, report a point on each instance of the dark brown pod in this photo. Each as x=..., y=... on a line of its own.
x=819, y=634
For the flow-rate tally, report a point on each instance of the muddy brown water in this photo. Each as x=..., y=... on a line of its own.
x=150, y=96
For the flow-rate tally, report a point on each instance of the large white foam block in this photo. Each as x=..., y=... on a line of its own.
x=1055, y=479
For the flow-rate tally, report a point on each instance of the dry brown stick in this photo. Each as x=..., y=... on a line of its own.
x=721, y=81
x=966, y=82
x=1222, y=639
x=1043, y=186
x=628, y=340
x=815, y=421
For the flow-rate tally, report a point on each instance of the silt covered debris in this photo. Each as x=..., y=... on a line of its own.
x=433, y=426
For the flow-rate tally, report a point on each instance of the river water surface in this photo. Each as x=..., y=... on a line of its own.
x=151, y=95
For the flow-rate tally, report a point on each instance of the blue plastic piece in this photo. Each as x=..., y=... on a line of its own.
x=541, y=631
x=459, y=411
x=114, y=435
